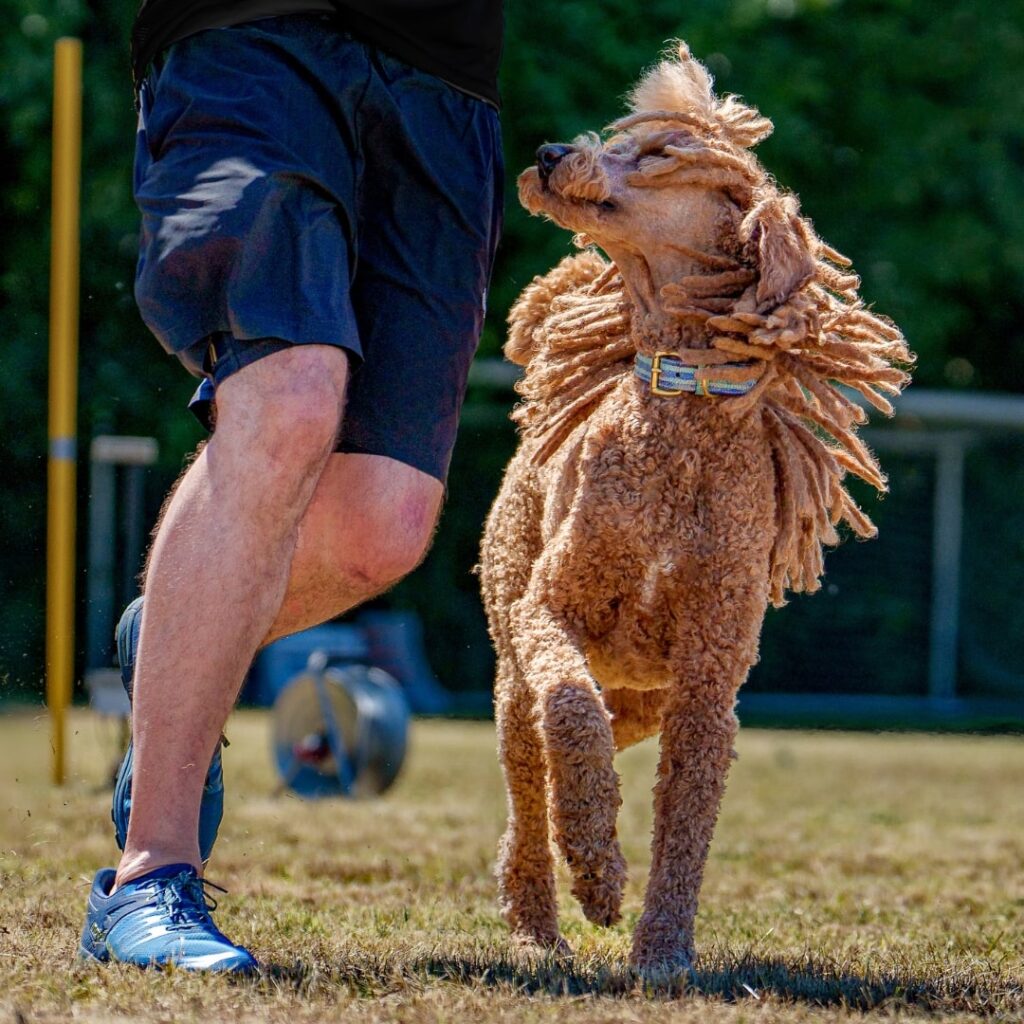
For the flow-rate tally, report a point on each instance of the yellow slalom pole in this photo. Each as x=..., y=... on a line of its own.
x=60, y=542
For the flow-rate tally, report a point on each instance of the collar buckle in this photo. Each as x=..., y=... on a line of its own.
x=656, y=372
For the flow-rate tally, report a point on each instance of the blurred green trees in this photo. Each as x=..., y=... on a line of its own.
x=900, y=124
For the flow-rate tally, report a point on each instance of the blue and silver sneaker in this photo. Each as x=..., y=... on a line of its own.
x=211, y=810
x=158, y=920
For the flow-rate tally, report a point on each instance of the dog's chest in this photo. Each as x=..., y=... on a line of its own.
x=649, y=485
x=649, y=544
x=662, y=513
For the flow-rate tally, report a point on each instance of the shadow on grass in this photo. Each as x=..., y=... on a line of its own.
x=984, y=991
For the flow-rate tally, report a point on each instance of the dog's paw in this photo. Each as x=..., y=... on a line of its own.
x=667, y=978
x=662, y=954
x=544, y=943
x=599, y=889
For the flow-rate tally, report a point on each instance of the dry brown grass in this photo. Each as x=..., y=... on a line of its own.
x=851, y=877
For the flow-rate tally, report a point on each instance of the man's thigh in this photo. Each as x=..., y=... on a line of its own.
x=284, y=393
x=429, y=218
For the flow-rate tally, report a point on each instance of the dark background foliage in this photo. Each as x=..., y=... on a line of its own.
x=900, y=124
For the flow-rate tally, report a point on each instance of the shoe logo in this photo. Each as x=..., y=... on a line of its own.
x=97, y=932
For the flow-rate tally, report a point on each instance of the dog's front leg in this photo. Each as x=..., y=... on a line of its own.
x=698, y=731
x=526, y=870
x=578, y=744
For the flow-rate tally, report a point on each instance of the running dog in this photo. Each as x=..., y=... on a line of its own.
x=684, y=443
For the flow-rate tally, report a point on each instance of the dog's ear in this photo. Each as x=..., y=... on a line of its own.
x=778, y=245
x=533, y=306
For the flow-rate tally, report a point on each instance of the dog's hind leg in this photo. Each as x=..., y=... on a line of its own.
x=525, y=870
x=579, y=750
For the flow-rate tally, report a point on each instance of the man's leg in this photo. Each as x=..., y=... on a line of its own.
x=369, y=524
x=217, y=577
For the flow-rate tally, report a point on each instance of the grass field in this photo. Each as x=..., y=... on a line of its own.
x=852, y=878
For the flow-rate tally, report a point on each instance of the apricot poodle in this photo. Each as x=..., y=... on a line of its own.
x=686, y=426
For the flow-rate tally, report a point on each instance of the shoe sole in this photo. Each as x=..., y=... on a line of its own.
x=218, y=966
x=87, y=955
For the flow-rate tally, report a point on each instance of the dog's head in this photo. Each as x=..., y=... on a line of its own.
x=717, y=265
x=673, y=191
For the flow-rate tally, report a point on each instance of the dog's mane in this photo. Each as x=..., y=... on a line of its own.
x=788, y=303
x=571, y=330
x=818, y=346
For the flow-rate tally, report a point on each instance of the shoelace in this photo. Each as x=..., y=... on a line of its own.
x=187, y=900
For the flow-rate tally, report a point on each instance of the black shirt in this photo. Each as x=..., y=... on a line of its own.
x=457, y=40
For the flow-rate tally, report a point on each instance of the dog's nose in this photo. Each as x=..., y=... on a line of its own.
x=548, y=156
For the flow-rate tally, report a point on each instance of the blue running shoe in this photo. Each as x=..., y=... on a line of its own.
x=158, y=920
x=211, y=810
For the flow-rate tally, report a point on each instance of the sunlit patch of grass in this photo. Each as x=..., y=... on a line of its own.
x=852, y=877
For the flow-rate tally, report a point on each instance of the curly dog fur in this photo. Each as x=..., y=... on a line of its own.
x=637, y=540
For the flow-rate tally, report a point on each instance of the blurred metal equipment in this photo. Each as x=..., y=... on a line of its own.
x=397, y=645
x=340, y=728
x=112, y=580
x=391, y=640
x=115, y=558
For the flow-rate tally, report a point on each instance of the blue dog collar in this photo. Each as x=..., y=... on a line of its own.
x=670, y=376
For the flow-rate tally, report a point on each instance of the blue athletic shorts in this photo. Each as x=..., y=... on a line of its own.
x=298, y=186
